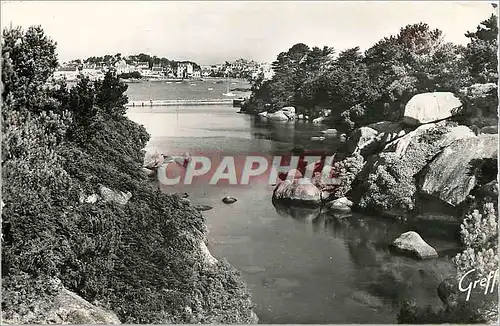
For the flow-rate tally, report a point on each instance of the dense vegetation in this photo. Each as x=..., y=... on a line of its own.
x=368, y=87
x=141, y=259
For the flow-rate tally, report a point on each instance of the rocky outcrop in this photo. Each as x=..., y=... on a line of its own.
x=109, y=195
x=400, y=145
x=449, y=176
x=430, y=107
x=299, y=192
x=456, y=133
x=367, y=140
x=64, y=307
x=411, y=242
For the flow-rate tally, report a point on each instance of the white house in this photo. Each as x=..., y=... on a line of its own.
x=185, y=69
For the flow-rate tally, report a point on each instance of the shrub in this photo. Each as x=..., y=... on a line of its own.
x=392, y=185
x=346, y=171
x=142, y=259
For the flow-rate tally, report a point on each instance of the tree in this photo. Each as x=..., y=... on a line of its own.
x=110, y=95
x=30, y=59
x=481, y=52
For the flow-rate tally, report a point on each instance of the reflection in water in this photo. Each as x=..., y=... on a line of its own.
x=301, y=264
x=299, y=213
x=379, y=273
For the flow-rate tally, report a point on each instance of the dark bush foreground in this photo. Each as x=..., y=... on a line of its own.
x=140, y=260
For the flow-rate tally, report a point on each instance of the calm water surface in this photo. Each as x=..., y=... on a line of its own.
x=301, y=265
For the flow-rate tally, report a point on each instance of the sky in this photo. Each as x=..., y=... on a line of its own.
x=216, y=31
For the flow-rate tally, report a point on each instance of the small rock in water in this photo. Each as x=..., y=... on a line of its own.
x=202, y=208
x=342, y=205
x=184, y=195
x=229, y=200
x=412, y=242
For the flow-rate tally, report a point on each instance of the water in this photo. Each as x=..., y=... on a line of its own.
x=301, y=265
x=193, y=90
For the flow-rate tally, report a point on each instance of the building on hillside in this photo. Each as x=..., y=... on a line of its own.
x=185, y=70
x=158, y=69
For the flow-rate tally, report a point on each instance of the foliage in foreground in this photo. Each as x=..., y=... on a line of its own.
x=479, y=233
x=140, y=260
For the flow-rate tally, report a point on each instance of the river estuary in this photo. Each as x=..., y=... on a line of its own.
x=301, y=266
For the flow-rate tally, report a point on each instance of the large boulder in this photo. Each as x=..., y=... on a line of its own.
x=411, y=242
x=289, y=111
x=430, y=107
x=63, y=307
x=400, y=145
x=368, y=139
x=449, y=176
x=298, y=191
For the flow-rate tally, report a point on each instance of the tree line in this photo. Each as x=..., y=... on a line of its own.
x=374, y=85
